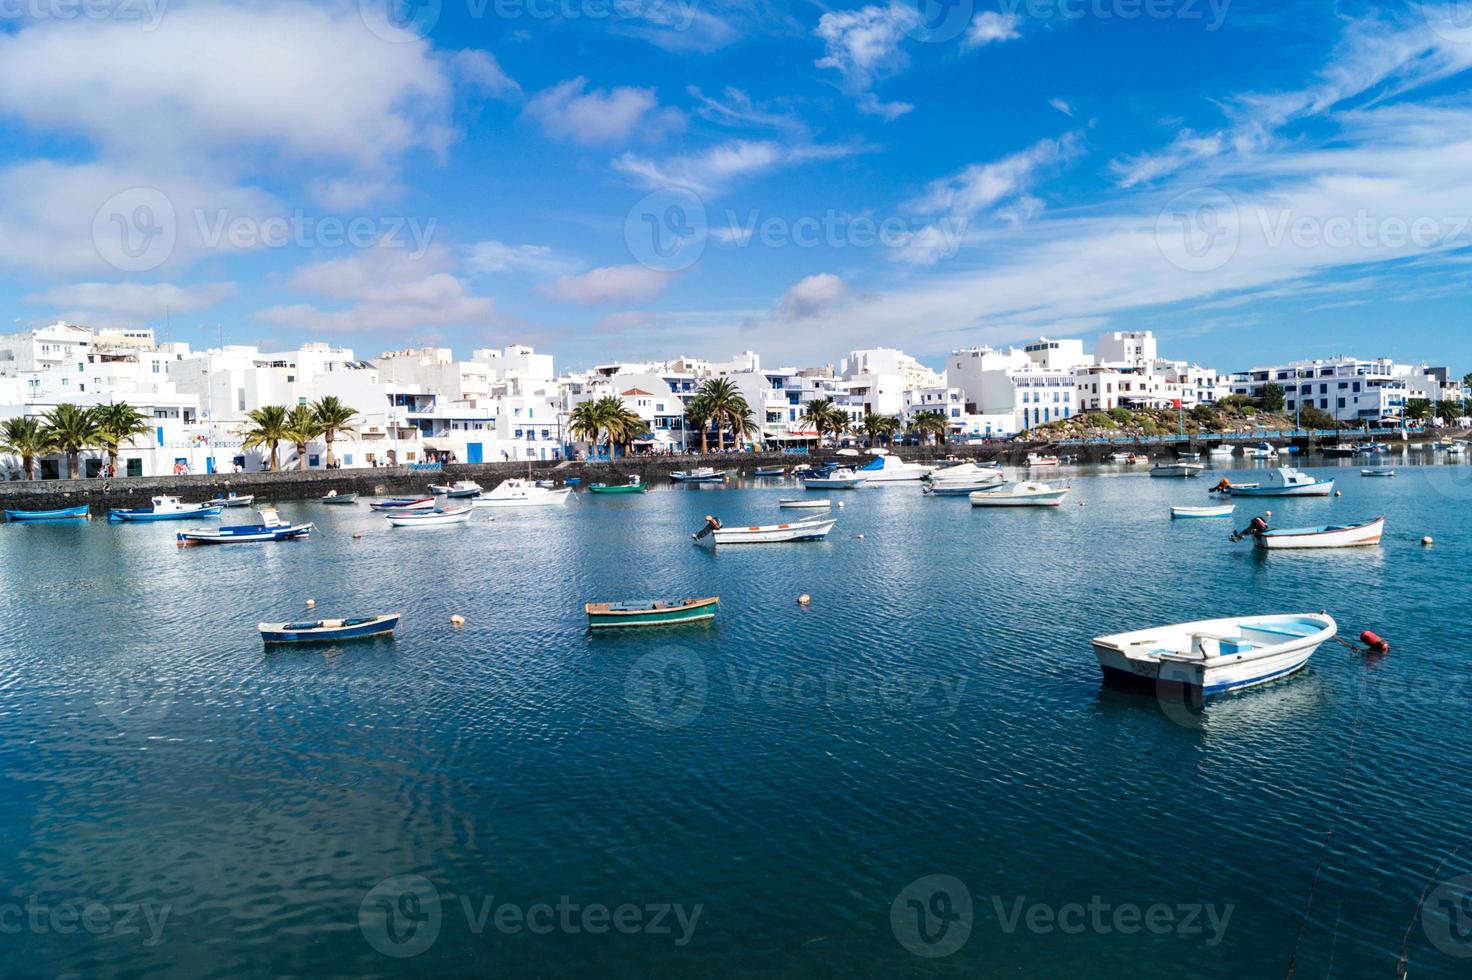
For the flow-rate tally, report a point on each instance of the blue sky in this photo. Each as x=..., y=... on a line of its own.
x=649, y=178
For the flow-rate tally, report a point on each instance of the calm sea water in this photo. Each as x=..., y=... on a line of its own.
x=769, y=796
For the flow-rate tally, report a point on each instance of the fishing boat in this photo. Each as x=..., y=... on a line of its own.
x=701, y=474
x=650, y=612
x=521, y=493
x=397, y=504
x=1371, y=448
x=1263, y=450
x=892, y=469
x=1188, y=457
x=271, y=528
x=1222, y=510
x=1285, y=481
x=1120, y=458
x=840, y=478
x=429, y=518
x=1379, y=472
x=635, y=485
x=1221, y=452
x=966, y=473
x=1328, y=536
x=1177, y=469
x=1214, y=656
x=949, y=489
x=234, y=500
x=329, y=630
x=164, y=508
x=333, y=497
x=458, y=490
x=33, y=516
x=546, y=484
x=808, y=503
x=811, y=529
x=770, y=471
x=1034, y=459
x=1339, y=452
x=1026, y=494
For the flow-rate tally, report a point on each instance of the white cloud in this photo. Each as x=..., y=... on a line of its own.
x=982, y=185
x=1063, y=106
x=131, y=299
x=611, y=284
x=735, y=108
x=813, y=296
x=481, y=69
x=864, y=45
x=991, y=27
x=601, y=117
x=713, y=170
x=493, y=257
x=870, y=105
x=390, y=289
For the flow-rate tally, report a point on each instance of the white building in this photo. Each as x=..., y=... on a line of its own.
x=1350, y=389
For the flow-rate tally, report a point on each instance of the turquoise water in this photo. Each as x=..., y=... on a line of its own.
x=774, y=783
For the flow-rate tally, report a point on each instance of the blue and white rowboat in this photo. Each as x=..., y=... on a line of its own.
x=403, y=503
x=329, y=630
x=64, y=514
x=1215, y=656
x=272, y=528
x=164, y=509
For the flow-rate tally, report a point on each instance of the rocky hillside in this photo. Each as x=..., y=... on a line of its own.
x=1200, y=421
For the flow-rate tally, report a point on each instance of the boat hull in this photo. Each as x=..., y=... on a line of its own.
x=144, y=517
x=812, y=530
x=274, y=633
x=1321, y=489
x=341, y=499
x=804, y=504
x=1344, y=536
x=525, y=497
x=1188, y=513
x=624, y=488
x=429, y=519
x=825, y=483
x=397, y=506
x=64, y=514
x=1019, y=498
x=629, y=615
x=1177, y=470
x=247, y=534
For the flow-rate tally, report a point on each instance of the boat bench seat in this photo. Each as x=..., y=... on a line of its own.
x=1286, y=629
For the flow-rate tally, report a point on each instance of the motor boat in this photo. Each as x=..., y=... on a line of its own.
x=841, y=478
x=397, y=504
x=811, y=529
x=271, y=528
x=341, y=499
x=1378, y=472
x=1215, y=656
x=892, y=469
x=521, y=493
x=1263, y=450
x=1178, y=469
x=1027, y=494
x=805, y=503
x=1285, y=481
x=458, y=490
x=701, y=474
x=1221, y=452
x=164, y=508
x=1359, y=535
x=234, y=500
x=430, y=518
x=1034, y=459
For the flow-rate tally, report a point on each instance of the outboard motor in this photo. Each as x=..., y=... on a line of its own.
x=1221, y=487
x=711, y=525
x=1258, y=526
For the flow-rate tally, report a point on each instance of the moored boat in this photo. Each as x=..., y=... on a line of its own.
x=333, y=497
x=964, y=473
x=884, y=468
x=1359, y=535
x=841, y=478
x=1223, y=510
x=809, y=529
x=650, y=612
x=1285, y=481
x=397, y=504
x=1215, y=656
x=1263, y=450
x=429, y=518
x=1027, y=494
x=234, y=500
x=1178, y=469
x=458, y=490
x=770, y=471
x=635, y=485
x=1221, y=452
x=1036, y=460
x=63, y=514
x=522, y=493
x=164, y=508
x=701, y=474
x=271, y=528
x=1378, y=472
x=952, y=489
x=811, y=503
x=329, y=630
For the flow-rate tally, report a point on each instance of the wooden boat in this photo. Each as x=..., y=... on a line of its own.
x=234, y=500
x=701, y=474
x=1285, y=481
x=655, y=612
x=839, y=478
x=64, y=514
x=812, y=529
x=635, y=485
x=1026, y=494
x=1214, y=656
x=770, y=471
x=397, y=504
x=521, y=493
x=1177, y=469
x=458, y=490
x=329, y=630
x=805, y=502
x=271, y=528
x=1224, y=510
x=429, y=518
x=164, y=508
x=333, y=497
x=1377, y=472
x=1328, y=536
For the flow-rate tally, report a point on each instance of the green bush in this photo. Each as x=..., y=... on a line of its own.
x=1121, y=415
x=1100, y=421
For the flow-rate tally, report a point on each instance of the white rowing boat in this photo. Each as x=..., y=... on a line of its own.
x=1215, y=656
x=1224, y=510
x=429, y=518
x=805, y=503
x=1359, y=535
x=1026, y=494
x=812, y=529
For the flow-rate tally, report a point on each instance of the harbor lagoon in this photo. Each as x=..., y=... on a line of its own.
x=918, y=773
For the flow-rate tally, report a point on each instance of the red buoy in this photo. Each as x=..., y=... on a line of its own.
x=1374, y=642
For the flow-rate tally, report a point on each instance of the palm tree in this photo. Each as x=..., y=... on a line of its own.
x=622, y=423
x=301, y=428
x=726, y=404
x=25, y=437
x=888, y=426
x=824, y=417
x=70, y=430
x=930, y=424
x=872, y=424
x=743, y=420
x=118, y=424
x=269, y=425
x=335, y=419
x=698, y=414
x=585, y=423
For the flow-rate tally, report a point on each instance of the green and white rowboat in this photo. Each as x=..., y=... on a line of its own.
x=655, y=612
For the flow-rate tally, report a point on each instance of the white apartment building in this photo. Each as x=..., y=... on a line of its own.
x=1350, y=389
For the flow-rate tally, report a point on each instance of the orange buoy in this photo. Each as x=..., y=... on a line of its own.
x=1374, y=642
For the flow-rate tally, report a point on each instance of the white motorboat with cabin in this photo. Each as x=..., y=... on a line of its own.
x=458, y=490
x=1215, y=656
x=517, y=492
x=1026, y=494
x=1220, y=452
x=1263, y=450
x=1284, y=481
x=841, y=478
x=1037, y=460
x=1177, y=469
x=701, y=474
x=885, y=468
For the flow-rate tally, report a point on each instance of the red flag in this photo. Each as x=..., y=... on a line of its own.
x=1177, y=404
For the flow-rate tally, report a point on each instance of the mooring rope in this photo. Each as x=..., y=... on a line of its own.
x=1405, y=939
